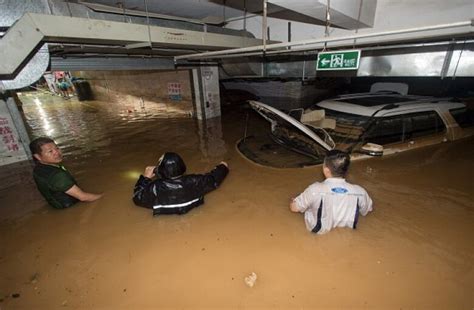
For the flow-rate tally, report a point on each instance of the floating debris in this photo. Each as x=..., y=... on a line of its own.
x=251, y=279
x=34, y=278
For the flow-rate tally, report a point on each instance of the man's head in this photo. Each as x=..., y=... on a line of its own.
x=170, y=166
x=336, y=164
x=46, y=151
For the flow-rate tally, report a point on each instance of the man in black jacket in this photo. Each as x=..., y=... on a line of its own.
x=173, y=192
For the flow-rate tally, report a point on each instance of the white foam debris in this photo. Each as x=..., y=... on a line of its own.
x=251, y=279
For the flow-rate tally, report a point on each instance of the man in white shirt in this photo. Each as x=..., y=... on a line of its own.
x=333, y=202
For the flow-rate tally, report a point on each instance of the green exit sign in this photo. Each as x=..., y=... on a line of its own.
x=340, y=60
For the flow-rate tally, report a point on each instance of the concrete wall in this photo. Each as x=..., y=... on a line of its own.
x=169, y=91
x=286, y=94
x=13, y=137
x=389, y=15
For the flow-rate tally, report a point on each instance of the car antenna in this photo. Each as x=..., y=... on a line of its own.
x=246, y=126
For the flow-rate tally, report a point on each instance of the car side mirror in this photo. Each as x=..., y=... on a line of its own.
x=372, y=149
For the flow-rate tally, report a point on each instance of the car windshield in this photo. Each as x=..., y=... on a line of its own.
x=349, y=127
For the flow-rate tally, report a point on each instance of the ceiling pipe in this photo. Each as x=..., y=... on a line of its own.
x=373, y=48
x=264, y=25
x=324, y=41
x=264, y=35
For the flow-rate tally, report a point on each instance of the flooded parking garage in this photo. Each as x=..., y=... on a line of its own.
x=163, y=74
x=414, y=251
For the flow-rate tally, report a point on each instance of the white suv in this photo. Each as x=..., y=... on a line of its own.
x=375, y=123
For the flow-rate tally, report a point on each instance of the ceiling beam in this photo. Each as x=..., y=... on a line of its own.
x=24, y=38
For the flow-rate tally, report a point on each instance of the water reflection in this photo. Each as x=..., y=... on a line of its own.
x=42, y=115
x=87, y=129
x=76, y=127
x=210, y=136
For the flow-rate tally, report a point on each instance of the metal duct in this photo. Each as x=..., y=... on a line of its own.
x=13, y=10
x=100, y=63
x=345, y=14
x=22, y=38
x=30, y=73
x=110, y=9
x=17, y=48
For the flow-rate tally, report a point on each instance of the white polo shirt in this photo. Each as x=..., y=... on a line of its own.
x=333, y=203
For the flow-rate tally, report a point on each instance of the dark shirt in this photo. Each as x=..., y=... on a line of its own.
x=178, y=195
x=52, y=182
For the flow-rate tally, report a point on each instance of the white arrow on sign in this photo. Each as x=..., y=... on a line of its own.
x=325, y=62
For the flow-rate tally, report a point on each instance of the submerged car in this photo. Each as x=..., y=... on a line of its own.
x=377, y=123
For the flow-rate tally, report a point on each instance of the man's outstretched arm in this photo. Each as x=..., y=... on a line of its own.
x=214, y=178
x=76, y=192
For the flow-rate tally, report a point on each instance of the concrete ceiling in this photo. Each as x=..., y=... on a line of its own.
x=195, y=9
x=344, y=14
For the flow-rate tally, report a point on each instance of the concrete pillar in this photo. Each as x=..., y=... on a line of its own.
x=207, y=102
x=211, y=141
x=14, y=139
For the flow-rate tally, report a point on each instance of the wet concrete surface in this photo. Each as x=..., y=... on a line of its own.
x=414, y=251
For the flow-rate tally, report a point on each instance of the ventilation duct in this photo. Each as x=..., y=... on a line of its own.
x=73, y=23
x=345, y=14
x=30, y=73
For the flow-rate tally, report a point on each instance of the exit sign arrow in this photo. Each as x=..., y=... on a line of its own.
x=324, y=62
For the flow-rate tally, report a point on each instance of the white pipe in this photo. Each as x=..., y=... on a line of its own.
x=245, y=15
x=325, y=40
x=264, y=25
x=374, y=48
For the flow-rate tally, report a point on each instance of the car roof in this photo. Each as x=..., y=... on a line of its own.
x=366, y=104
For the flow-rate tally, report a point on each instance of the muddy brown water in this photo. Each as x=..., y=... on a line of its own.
x=414, y=251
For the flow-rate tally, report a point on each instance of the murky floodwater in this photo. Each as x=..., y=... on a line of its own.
x=414, y=251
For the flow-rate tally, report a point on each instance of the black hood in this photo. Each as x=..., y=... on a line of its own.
x=170, y=166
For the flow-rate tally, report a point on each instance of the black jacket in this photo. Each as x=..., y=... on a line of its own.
x=178, y=195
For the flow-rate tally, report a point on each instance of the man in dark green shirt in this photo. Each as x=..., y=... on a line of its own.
x=54, y=182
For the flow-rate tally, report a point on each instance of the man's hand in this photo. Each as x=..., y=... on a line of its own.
x=293, y=205
x=149, y=172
